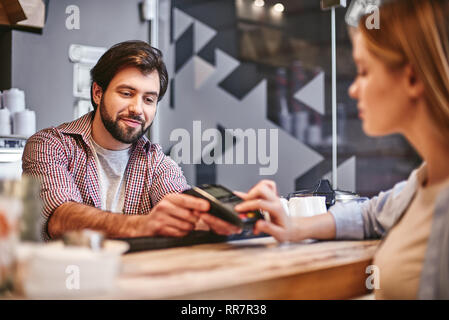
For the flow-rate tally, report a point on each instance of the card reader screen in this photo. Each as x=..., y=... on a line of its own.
x=218, y=192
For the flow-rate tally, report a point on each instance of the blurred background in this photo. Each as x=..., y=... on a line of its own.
x=232, y=64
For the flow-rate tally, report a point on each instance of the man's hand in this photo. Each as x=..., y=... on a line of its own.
x=178, y=214
x=175, y=215
x=208, y=221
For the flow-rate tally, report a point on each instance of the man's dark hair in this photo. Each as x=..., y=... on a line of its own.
x=134, y=53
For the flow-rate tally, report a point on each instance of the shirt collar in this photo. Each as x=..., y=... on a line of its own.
x=421, y=174
x=83, y=127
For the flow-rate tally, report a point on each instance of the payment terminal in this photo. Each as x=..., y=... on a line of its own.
x=222, y=202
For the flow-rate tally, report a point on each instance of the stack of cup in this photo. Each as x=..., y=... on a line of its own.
x=24, y=123
x=14, y=100
x=23, y=120
x=5, y=122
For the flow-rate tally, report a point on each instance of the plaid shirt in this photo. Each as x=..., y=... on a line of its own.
x=62, y=159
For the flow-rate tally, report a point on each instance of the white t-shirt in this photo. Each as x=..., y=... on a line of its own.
x=111, y=166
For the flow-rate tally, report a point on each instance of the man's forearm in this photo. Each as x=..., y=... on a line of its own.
x=76, y=216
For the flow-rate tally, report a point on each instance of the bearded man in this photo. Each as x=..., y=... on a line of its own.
x=101, y=172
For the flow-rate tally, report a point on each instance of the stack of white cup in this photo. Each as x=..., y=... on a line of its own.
x=23, y=120
x=5, y=122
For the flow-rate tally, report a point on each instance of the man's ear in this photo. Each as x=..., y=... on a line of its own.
x=414, y=86
x=97, y=93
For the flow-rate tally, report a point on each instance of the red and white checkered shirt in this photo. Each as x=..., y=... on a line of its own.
x=62, y=159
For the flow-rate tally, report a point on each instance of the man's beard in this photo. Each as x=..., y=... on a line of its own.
x=127, y=135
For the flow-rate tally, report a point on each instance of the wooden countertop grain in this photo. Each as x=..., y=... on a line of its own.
x=248, y=269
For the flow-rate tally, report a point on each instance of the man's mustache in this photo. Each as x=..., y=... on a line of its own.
x=132, y=117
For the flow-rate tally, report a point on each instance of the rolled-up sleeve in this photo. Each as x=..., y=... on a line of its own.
x=167, y=178
x=348, y=220
x=372, y=218
x=44, y=158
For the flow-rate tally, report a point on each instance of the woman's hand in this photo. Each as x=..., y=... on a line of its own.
x=264, y=196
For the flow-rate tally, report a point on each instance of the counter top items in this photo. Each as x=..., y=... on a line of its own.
x=31, y=219
x=306, y=206
x=14, y=100
x=258, y=268
x=5, y=122
x=222, y=202
x=11, y=150
x=323, y=188
x=56, y=271
x=91, y=239
x=23, y=120
x=346, y=196
x=24, y=123
x=193, y=238
x=10, y=212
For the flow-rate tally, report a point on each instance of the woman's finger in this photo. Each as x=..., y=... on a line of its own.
x=278, y=232
x=251, y=205
x=261, y=191
x=270, y=184
x=265, y=184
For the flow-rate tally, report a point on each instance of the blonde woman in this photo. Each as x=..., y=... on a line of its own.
x=402, y=87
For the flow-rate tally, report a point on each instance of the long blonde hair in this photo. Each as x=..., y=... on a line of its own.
x=416, y=32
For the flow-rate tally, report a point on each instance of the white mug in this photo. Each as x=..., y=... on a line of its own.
x=306, y=206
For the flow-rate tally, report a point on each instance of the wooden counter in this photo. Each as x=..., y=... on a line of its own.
x=248, y=269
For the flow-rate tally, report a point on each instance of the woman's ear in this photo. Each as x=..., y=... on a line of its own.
x=97, y=93
x=414, y=86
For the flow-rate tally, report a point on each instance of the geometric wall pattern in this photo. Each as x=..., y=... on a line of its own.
x=198, y=96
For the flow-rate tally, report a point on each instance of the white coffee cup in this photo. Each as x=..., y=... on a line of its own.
x=307, y=206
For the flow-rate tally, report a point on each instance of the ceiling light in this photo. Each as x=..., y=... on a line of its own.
x=279, y=7
x=259, y=3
